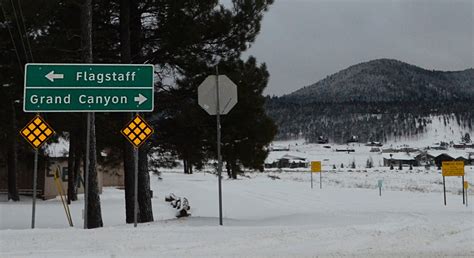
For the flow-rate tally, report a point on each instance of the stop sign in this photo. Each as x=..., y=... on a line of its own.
x=207, y=95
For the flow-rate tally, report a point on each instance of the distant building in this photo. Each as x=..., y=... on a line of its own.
x=55, y=159
x=285, y=160
x=322, y=140
x=396, y=159
x=353, y=138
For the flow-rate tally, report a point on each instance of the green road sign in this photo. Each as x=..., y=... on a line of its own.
x=88, y=88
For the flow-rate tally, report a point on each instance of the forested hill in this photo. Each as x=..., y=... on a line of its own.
x=376, y=100
x=388, y=80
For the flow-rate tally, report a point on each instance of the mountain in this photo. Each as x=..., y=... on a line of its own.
x=379, y=100
x=387, y=80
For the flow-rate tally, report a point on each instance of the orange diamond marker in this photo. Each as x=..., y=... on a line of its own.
x=137, y=131
x=37, y=132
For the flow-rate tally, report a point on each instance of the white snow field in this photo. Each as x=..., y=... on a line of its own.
x=262, y=218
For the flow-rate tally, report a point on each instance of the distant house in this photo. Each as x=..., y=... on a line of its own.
x=353, y=138
x=279, y=148
x=55, y=159
x=374, y=144
x=322, y=140
x=424, y=159
x=454, y=156
x=396, y=159
x=285, y=160
x=345, y=150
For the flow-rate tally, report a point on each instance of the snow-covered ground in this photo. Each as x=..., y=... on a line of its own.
x=262, y=218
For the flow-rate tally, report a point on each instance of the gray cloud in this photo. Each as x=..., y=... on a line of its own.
x=304, y=41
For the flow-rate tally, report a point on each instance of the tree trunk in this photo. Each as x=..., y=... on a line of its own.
x=128, y=166
x=94, y=214
x=235, y=170
x=77, y=162
x=71, y=193
x=129, y=177
x=185, y=166
x=13, y=158
x=144, y=194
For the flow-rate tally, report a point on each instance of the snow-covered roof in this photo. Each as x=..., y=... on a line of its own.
x=400, y=156
x=274, y=156
x=452, y=153
x=58, y=149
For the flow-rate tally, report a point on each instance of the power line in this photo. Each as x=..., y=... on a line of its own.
x=26, y=34
x=19, y=31
x=13, y=40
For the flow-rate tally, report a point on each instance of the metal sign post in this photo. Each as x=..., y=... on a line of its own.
x=380, y=182
x=86, y=171
x=463, y=200
x=137, y=132
x=444, y=190
x=35, y=176
x=316, y=168
x=452, y=168
x=135, y=188
x=219, y=157
x=36, y=132
x=217, y=94
x=320, y=179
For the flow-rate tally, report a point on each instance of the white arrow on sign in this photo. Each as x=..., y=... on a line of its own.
x=51, y=76
x=140, y=99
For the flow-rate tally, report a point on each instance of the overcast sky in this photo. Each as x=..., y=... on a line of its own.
x=303, y=41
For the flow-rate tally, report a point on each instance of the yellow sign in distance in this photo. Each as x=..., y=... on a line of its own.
x=452, y=168
x=466, y=185
x=137, y=131
x=315, y=166
x=37, y=132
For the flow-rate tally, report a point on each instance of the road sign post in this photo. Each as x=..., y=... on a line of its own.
x=137, y=132
x=465, y=187
x=217, y=94
x=36, y=132
x=88, y=88
x=452, y=168
x=316, y=168
x=86, y=171
x=380, y=182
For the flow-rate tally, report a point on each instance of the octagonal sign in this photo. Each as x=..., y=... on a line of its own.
x=207, y=95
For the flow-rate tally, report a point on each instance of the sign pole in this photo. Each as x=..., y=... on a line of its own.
x=219, y=158
x=137, y=131
x=311, y=179
x=135, y=195
x=36, y=132
x=86, y=172
x=463, y=201
x=321, y=179
x=35, y=175
x=444, y=190
x=466, y=194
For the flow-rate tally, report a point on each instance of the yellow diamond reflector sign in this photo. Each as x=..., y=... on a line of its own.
x=37, y=132
x=137, y=127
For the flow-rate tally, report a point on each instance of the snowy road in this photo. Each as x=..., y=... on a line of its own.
x=263, y=218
